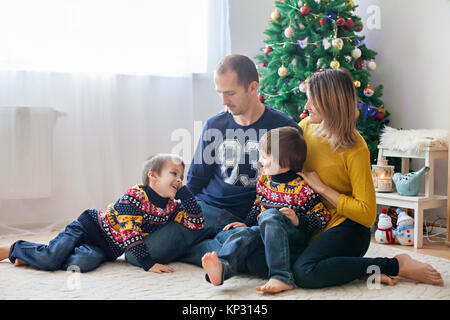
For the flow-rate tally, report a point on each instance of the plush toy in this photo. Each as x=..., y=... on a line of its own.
x=404, y=234
x=383, y=234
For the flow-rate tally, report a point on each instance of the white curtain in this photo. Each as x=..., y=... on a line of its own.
x=103, y=123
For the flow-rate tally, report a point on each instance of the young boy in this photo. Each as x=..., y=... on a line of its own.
x=285, y=214
x=99, y=236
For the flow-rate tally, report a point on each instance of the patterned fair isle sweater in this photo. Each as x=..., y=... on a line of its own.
x=289, y=190
x=140, y=211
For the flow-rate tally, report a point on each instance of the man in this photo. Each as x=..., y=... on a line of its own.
x=224, y=171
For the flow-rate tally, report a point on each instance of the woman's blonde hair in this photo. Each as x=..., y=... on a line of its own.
x=333, y=95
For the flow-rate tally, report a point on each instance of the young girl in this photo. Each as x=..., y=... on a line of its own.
x=99, y=236
x=286, y=213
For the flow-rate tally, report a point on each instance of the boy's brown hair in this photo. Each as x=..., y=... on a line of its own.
x=156, y=162
x=286, y=145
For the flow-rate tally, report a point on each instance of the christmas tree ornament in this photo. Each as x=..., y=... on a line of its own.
x=304, y=10
x=371, y=65
x=335, y=64
x=282, y=71
x=303, y=43
x=337, y=43
x=289, y=32
x=379, y=116
x=349, y=24
x=261, y=98
x=352, y=4
x=358, y=26
x=359, y=64
x=356, y=53
x=340, y=22
x=267, y=50
x=368, y=91
x=357, y=84
x=275, y=15
x=302, y=86
x=322, y=22
x=303, y=115
x=264, y=64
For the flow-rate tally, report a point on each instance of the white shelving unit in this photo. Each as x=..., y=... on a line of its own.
x=421, y=202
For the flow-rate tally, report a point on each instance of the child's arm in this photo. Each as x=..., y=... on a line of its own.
x=130, y=218
x=189, y=213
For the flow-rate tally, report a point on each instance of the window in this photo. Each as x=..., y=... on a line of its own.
x=104, y=36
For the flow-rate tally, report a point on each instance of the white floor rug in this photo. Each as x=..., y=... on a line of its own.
x=120, y=280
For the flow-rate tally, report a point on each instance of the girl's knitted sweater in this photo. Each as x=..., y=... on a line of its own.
x=140, y=211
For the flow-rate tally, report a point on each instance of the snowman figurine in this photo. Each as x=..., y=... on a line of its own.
x=404, y=234
x=383, y=234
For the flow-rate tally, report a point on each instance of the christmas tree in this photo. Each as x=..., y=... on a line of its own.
x=310, y=35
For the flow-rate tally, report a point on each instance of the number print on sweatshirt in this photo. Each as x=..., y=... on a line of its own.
x=231, y=154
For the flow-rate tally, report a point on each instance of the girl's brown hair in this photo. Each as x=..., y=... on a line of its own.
x=286, y=145
x=333, y=95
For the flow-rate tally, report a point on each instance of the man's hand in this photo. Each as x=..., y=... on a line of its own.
x=234, y=225
x=290, y=214
x=161, y=268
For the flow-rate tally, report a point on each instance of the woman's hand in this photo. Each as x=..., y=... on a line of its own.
x=161, y=268
x=290, y=214
x=234, y=225
x=313, y=180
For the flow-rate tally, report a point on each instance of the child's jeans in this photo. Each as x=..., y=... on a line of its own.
x=70, y=248
x=282, y=244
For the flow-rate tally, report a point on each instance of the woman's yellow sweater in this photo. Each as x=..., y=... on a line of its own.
x=348, y=172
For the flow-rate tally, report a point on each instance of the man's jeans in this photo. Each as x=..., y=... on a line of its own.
x=174, y=242
x=70, y=248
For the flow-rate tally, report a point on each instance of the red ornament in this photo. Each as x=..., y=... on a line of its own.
x=267, y=50
x=359, y=64
x=359, y=26
x=264, y=64
x=261, y=98
x=304, y=10
x=340, y=22
x=349, y=24
x=379, y=116
x=321, y=22
x=303, y=115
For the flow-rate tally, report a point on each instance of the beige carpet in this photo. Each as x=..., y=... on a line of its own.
x=120, y=280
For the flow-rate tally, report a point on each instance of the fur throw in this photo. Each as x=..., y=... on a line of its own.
x=414, y=140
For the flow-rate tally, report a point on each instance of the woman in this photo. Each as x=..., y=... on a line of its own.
x=338, y=167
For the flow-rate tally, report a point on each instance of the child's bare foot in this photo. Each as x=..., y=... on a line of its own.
x=18, y=263
x=410, y=268
x=4, y=252
x=274, y=286
x=213, y=267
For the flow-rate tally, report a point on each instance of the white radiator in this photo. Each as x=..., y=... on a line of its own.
x=26, y=152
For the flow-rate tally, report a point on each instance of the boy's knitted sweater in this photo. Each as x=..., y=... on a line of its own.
x=289, y=190
x=137, y=213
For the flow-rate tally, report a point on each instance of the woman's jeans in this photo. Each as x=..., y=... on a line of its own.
x=70, y=248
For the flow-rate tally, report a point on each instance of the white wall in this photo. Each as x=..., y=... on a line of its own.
x=412, y=62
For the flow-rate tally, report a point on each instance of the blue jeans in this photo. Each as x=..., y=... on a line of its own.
x=336, y=257
x=70, y=248
x=281, y=241
x=190, y=246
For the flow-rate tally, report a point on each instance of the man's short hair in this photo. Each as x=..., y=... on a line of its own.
x=291, y=151
x=243, y=66
x=156, y=163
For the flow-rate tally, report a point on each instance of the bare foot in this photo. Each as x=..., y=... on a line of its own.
x=385, y=279
x=19, y=263
x=274, y=286
x=4, y=252
x=213, y=267
x=410, y=268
